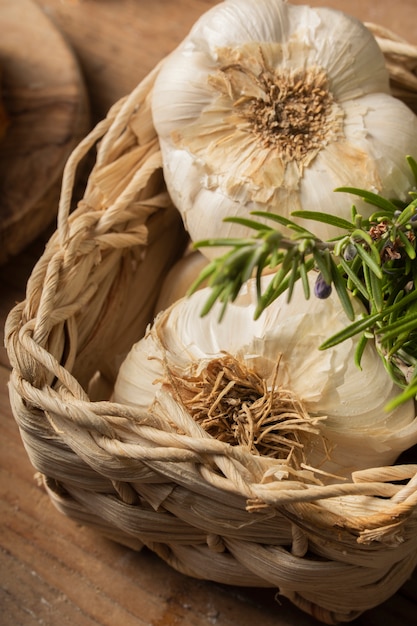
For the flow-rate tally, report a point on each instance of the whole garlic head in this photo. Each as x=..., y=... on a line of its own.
x=265, y=384
x=271, y=106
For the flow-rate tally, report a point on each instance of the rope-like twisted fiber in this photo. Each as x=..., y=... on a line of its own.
x=401, y=61
x=211, y=510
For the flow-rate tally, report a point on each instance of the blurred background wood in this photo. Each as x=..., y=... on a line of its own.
x=53, y=571
x=46, y=103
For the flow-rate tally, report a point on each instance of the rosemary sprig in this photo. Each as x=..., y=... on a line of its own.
x=373, y=259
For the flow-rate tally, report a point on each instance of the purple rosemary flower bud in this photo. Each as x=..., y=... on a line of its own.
x=350, y=252
x=322, y=289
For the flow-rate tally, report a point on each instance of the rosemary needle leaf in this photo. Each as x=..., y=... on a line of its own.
x=371, y=198
x=304, y=280
x=274, y=290
x=284, y=221
x=365, y=323
x=369, y=260
x=256, y=259
x=381, y=214
x=286, y=266
x=377, y=299
x=407, y=214
x=244, y=221
x=409, y=392
x=322, y=261
x=333, y=220
x=405, y=301
x=393, y=316
x=360, y=348
x=294, y=275
x=342, y=292
x=226, y=241
x=357, y=326
x=413, y=166
x=359, y=235
x=401, y=326
x=213, y=297
x=355, y=282
x=408, y=247
x=396, y=347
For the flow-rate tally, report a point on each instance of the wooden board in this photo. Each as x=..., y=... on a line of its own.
x=46, y=102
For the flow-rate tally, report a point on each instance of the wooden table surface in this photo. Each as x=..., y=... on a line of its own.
x=53, y=571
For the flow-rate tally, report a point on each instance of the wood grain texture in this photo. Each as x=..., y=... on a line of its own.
x=119, y=42
x=52, y=570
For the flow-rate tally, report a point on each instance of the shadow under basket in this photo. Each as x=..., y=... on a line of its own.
x=334, y=550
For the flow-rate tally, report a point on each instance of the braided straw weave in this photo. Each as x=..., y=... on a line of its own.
x=334, y=550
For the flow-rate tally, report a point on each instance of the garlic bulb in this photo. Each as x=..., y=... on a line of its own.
x=270, y=106
x=264, y=385
x=180, y=278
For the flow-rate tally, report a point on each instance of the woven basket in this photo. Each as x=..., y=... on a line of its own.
x=89, y=298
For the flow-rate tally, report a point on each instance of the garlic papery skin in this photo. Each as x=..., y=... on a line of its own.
x=270, y=106
x=348, y=429
x=180, y=278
